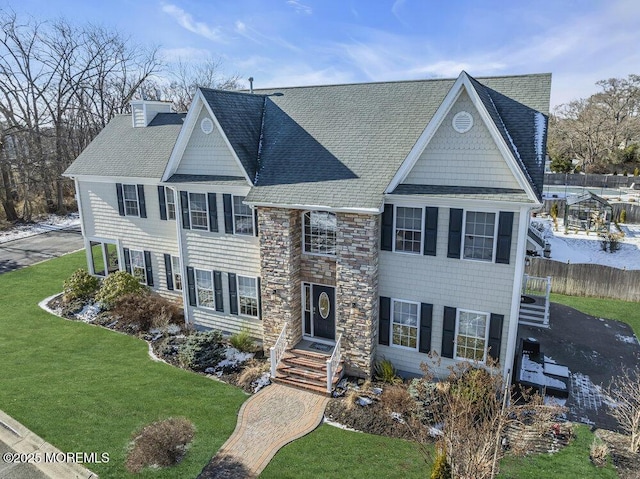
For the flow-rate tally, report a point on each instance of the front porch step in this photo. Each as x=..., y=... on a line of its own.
x=306, y=369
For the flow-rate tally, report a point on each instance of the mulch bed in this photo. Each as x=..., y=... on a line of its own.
x=626, y=462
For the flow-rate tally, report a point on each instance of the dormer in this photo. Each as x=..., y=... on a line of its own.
x=144, y=111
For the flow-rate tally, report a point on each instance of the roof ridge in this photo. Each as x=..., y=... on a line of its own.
x=234, y=92
x=415, y=80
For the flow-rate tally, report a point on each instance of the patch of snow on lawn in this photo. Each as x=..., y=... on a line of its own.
x=582, y=248
x=626, y=339
x=51, y=223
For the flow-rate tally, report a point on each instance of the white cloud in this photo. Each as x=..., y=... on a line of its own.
x=186, y=21
x=302, y=74
x=300, y=7
x=241, y=27
x=185, y=54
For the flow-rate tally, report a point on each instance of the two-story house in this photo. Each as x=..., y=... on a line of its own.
x=367, y=220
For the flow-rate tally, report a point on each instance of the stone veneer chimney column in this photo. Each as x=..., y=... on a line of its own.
x=357, y=290
x=280, y=249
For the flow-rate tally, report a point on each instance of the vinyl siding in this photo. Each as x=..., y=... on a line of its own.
x=207, y=154
x=442, y=281
x=101, y=220
x=239, y=254
x=468, y=159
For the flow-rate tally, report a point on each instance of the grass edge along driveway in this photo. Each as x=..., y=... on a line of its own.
x=86, y=389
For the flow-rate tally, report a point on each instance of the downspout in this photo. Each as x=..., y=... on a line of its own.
x=183, y=263
x=516, y=292
x=87, y=250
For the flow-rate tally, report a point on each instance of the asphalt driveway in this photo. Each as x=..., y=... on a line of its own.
x=595, y=350
x=23, y=252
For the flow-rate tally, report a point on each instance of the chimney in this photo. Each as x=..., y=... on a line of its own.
x=144, y=111
x=250, y=84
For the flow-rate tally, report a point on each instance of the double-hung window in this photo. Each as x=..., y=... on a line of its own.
x=138, y=269
x=471, y=335
x=248, y=296
x=198, y=211
x=204, y=288
x=320, y=232
x=171, y=203
x=404, y=324
x=408, y=229
x=176, y=271
x=479, y=235
x=242, y=217
x=130, y=197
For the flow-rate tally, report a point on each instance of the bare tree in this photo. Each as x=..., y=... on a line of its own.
x=475, y=407
x=185, y=78
x=625, y=391
x=596, y=130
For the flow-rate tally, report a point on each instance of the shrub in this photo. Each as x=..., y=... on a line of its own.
x=623, y=216
x=598, y=452
x=201, y=350
x=242, y=341
x=396, y=398
x=441, y=468
x=636, y=172
x=385, y=371
x=252, y=372
x=80, y=285
x=117, y=285
x=554, y=211
x=163, y=443
x=147, y=311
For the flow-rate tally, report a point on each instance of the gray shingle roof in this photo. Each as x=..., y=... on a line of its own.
x=464, y=192
x=240, y=116
x=121, y=150
x=340, y=146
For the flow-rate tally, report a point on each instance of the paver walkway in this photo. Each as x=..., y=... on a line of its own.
x=268, y=421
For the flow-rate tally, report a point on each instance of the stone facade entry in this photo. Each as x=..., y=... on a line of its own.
x=319, y=306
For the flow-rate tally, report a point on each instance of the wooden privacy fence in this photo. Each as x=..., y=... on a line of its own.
x=588, y=279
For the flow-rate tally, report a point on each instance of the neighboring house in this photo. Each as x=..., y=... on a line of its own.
x=390, y=218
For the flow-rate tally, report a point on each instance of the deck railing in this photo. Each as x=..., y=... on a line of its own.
x=333, y=362
x=277, y=350
x=534, y=286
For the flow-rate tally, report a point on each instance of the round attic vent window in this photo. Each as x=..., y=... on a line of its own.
x=206, y=125
x=462, y=122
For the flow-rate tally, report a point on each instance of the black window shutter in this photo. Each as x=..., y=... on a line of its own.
x=184, y=204
x=505, y=227
x=191, y=284
x=431, y=231
x=127, y=260
x=233, y=294
x=448, y=332
x=455, y=233
x=384, y=322
x=259, y=300
x=120, y=199
x=495, y=335
x=162, y=200
x=255, y=221
x=426, y=316
x=213, y=212
x=168, y=267
x=217, y=288
x=228, y=214
x=386, y=241
x=148, y=267
x=141, y=203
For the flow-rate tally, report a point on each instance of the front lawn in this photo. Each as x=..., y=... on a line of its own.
x=87, y=389
x=625, y=311
x=330, y=452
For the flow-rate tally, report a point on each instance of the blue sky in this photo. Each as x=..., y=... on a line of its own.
x=310, y=42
